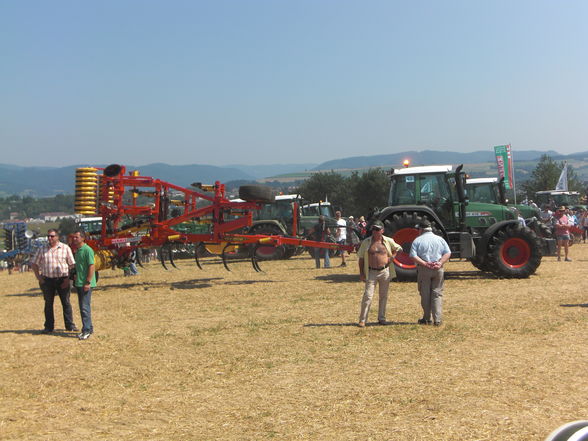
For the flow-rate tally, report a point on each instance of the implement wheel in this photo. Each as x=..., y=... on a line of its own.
x=514, y=252
x=256, y=193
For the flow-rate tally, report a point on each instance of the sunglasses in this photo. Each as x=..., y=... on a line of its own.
x=52, y=235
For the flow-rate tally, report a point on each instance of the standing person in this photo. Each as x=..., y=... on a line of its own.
x=51, y=266
x=430, y=252
x=562, y=233
x=84, y=282
x=362, y=227
x=584, y=224
x=341, y=234
x=320, y=232
x=375, y=254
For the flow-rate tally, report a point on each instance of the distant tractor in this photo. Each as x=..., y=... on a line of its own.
x=288, y=215
x=487, y=234
x=558, y=198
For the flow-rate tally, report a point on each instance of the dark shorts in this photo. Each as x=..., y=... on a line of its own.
x=563, y=237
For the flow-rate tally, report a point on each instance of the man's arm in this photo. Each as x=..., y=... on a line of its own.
x=361, y=263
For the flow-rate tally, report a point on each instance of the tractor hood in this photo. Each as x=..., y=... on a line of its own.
x=481, y=215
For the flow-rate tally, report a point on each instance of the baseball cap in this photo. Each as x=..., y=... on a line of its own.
x=377, y=225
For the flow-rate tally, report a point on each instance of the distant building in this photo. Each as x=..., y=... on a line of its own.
x=52, y=217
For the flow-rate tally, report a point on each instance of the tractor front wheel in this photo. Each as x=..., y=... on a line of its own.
x=514, y=252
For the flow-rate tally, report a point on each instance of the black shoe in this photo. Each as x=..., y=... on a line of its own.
x=383, y=322
x=47, y=331
x=424, y=322
x=74, y=329
x=438, y=323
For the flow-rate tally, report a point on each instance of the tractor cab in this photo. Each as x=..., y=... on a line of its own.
x=433, y=186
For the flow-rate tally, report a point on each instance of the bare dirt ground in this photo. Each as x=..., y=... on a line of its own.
x=211, y=355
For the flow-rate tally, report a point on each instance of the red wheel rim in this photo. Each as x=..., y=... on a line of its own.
x=404, y=238
x=515, y=252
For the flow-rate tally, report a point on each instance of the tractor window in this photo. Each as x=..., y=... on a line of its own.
x=402, y=191
x=433, y=189
x=482, y=193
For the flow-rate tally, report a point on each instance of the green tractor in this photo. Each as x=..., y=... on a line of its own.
x=492, y=190
x=288, y=215
x=557, y=198
x=487, y=234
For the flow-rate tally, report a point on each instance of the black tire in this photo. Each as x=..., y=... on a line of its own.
x=256, y=193
x=481, y=262
x=402, y=227
x=269, y=252
x=514, y=252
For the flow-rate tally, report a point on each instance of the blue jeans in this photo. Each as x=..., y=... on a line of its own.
x=84, y=300
x=50, y=287
x=317, y=257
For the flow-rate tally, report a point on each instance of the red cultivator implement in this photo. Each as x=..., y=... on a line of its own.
x=143, y=212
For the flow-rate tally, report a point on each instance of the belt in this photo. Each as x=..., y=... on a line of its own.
x=379, y=269
x=54, y=278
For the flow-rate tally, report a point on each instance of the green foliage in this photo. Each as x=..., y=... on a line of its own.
x=355, y=195
x=546, y=174
x=67, y=226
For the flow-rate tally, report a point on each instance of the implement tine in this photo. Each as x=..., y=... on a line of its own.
x=171, y=256
x=255, y=260
x=138, y=259
x=196, y=248
x=161, y=258
x=224, y=257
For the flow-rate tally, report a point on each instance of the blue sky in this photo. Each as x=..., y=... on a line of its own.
x=267, y=81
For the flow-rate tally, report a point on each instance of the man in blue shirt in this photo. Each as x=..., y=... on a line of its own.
x=430, y=252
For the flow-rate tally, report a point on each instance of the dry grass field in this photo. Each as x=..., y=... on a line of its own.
x=215, y=355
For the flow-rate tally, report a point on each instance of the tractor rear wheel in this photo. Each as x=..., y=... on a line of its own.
x=402, y=227
x=256, y=193
x=514, y=252
x=481, y=262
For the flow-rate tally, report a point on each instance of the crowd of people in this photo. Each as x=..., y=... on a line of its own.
x=568, y=225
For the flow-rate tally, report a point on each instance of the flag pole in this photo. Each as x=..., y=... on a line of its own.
x=514, y=186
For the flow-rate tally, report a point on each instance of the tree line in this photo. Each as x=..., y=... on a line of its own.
x=355, y=194
x=28, y=207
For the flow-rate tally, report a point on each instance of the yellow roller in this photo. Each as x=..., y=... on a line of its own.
x=102, y=259
x=86, y=195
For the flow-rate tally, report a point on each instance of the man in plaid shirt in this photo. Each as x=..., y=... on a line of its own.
x=51, y=266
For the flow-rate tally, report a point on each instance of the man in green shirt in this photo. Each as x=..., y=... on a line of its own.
x=85, y=281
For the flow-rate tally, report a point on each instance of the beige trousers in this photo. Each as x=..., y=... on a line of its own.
x=383, y=279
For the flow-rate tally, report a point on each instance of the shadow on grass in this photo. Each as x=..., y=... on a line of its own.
x=339, y=278
x=575, y=305
x=59, y=333
x=354, y=324
x=470, y=275
x=29, y=293
x=186, y=284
